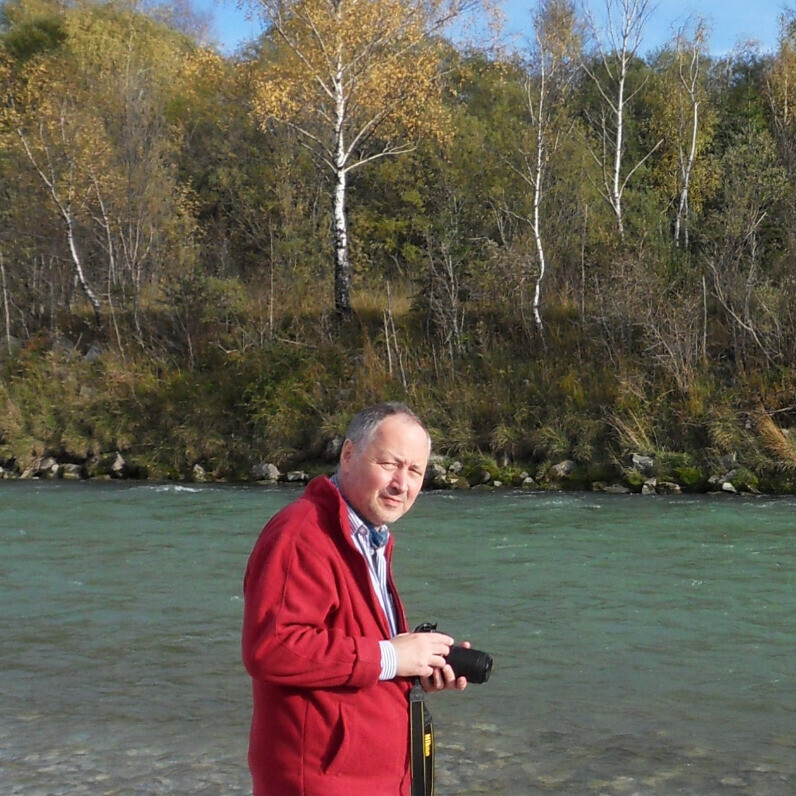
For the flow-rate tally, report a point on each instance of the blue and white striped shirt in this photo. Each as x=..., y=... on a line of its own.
x=377, y=568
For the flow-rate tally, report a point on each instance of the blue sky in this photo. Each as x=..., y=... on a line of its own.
x=731, y=21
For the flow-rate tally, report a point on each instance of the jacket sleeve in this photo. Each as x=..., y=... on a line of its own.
x=292, y=632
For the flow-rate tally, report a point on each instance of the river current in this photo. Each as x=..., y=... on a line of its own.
x=641, y=645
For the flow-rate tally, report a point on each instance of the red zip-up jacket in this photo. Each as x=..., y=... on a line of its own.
x=323, y=723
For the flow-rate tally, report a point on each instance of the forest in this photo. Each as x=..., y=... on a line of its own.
x=578, y=252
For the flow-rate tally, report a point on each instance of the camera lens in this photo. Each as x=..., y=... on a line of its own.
x=475, y=665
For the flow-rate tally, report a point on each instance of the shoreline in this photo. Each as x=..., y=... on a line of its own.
x=643, y=475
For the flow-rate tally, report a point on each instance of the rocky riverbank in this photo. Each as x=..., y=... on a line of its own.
x=639, y=474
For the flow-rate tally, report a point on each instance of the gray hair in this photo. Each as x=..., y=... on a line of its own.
x=366, y=421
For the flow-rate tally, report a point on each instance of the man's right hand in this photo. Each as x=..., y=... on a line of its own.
x=419, y=654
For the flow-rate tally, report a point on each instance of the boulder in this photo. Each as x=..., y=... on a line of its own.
x=642, y=464
x=563, y=469
x=265, y=471
x=610, y=489
x=331, y=451
x=435, y=477
x=72, y=472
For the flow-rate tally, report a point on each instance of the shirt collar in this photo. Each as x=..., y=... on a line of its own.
x=377, y=535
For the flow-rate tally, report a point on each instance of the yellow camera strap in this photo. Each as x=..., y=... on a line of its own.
x=421, y=739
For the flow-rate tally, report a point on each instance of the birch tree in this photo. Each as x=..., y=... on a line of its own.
x=358, y=80
x=617, y=47
x=683, y=115
x=553, y=67
x=87, y=117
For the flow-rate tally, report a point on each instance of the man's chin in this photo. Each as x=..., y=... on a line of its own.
x=388, y=514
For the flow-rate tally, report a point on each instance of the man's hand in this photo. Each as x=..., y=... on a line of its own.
x=444, y=679
x=421, y=654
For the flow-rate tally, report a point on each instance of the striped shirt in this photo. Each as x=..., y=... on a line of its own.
x=377, y=568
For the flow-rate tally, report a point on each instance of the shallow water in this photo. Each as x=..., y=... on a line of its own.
x=642, y=645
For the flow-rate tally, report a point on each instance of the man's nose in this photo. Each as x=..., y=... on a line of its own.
x=401, y=479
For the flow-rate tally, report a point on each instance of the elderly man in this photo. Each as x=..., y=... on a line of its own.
x=324, y=634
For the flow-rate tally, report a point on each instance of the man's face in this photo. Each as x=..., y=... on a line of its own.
x=382, y=479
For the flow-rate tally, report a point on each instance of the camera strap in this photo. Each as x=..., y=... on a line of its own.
x=421, y=739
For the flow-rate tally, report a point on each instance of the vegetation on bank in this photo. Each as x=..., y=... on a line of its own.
x=167, y=258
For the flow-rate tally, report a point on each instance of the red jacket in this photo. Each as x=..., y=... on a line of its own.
x=323, y=723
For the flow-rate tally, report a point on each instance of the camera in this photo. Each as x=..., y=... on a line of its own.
x=475, y=665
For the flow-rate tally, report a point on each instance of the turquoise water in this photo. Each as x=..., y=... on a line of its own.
x=642, y=645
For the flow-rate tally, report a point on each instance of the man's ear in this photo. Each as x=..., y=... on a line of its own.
x=346, y=452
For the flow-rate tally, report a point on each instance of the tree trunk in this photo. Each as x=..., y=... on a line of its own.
x=342, y=266
x=79, y=274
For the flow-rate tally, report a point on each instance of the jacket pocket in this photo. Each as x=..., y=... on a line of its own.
x=338, y=750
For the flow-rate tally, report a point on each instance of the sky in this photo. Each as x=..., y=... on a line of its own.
x=730, y=21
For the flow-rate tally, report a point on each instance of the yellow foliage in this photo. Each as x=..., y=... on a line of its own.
x=360, y=67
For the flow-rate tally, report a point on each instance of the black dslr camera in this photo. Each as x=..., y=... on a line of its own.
x=475, y=665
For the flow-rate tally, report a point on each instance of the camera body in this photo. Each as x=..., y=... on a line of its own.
x=475, y=665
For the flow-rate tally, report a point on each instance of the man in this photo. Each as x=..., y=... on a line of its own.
x=324, y=633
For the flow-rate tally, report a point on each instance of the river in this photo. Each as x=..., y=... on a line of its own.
x=642, y=645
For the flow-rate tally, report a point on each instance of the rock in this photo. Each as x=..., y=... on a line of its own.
x=726, y=486
x=435, y=475
x=72, y=472
x=118, y=466
x=331, y=451
x=616, y=489
x=93, y=353
x=455, y=468
x=48, y=466
x=563, y=469
x=529, y=483
x=729, y=461
x=297, y=477
x=199, y=474
x=652, y=486
x=265, y=471
x=643, y=464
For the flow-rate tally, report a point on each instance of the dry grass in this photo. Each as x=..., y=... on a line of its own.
x=778, y=442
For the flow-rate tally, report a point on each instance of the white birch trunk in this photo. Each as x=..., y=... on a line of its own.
x=342, y=266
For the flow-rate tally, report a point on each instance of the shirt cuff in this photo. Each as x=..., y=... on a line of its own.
x=389, y=661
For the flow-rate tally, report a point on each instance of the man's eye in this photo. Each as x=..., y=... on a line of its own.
x=389, y=465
